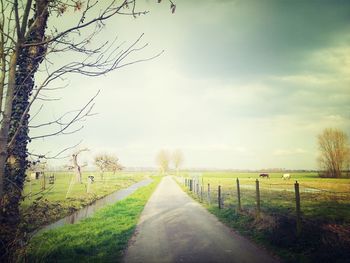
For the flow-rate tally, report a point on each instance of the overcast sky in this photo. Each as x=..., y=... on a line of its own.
x=241, y=84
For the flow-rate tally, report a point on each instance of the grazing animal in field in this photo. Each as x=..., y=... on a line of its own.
x=286, y=176
x=91, y=178
x=264, y=175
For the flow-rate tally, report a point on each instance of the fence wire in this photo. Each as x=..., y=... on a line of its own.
x=275, y=198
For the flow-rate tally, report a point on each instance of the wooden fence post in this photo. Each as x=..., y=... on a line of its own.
x=201, y=193
x=297, y=204
x=257, y=198
x=239, y=196
x=208, y=193
x=219, y=196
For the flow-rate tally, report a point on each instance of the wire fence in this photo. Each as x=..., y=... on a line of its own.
x=301, y=201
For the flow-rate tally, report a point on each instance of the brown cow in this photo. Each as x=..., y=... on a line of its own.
x=264, y=175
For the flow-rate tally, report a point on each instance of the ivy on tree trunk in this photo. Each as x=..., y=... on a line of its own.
x=28, y=61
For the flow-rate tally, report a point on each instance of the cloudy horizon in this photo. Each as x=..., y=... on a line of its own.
x=240, y=85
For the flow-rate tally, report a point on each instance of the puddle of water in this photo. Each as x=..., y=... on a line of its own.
x=91, y=209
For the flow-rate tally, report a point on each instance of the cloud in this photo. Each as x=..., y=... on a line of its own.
x=286, y=152
x=241, y=39
x=242, y=84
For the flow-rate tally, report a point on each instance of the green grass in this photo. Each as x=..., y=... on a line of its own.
x=100, y=238
x=42, y=207
x=325, y=214
x=331, y=202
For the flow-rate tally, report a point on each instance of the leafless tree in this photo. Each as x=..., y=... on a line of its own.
x=178, y=159
x=334, y=152
x=76, y=166
x=27, y=40
x=107, y=162
x=163, y=159
x=114, y=164
x=101, y=161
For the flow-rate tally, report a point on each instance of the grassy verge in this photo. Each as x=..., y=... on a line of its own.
x=317, y=243
x=325, y=235
x=100, y=238
x=42, y=207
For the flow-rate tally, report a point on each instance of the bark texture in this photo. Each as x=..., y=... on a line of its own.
x=28, y=61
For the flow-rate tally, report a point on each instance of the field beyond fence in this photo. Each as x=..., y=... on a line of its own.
x=303, y=211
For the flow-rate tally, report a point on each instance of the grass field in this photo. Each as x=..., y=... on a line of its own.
x=100, y=238
x=321, y=198
x=325, y=211
x=44, y=206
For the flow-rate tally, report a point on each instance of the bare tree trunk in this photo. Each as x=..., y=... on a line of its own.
x=3, y=66
x=28, y=62
x=5, y=124
x=13, y=158
x=78, y=175
x=77, y=169
x=8, y=214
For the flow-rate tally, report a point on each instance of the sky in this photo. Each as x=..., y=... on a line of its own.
x=240, y=85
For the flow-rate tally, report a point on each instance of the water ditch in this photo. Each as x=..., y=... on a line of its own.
x=98, y=204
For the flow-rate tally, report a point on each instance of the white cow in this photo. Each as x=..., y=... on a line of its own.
x=286, y=176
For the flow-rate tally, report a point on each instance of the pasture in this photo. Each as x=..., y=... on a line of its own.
x=41, y=207
x=324, y=205
x=325, y=199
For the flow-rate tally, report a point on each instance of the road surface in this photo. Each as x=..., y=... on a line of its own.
x=174, y=228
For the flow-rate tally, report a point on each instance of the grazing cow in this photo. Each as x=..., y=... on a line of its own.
x=286, y=176
x=91, y=178
x=264, y=175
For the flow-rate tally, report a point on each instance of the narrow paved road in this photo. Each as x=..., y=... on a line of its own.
x=174, y=228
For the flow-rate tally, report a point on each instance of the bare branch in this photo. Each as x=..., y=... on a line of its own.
x=36, y=114
x=57, y=155
x=18, y=28
x=107, y=13
x=25, y=17
x=73, y=120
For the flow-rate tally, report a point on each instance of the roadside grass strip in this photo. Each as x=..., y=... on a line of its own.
x=42, y=207
x=325, y=232
x=100, y=238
